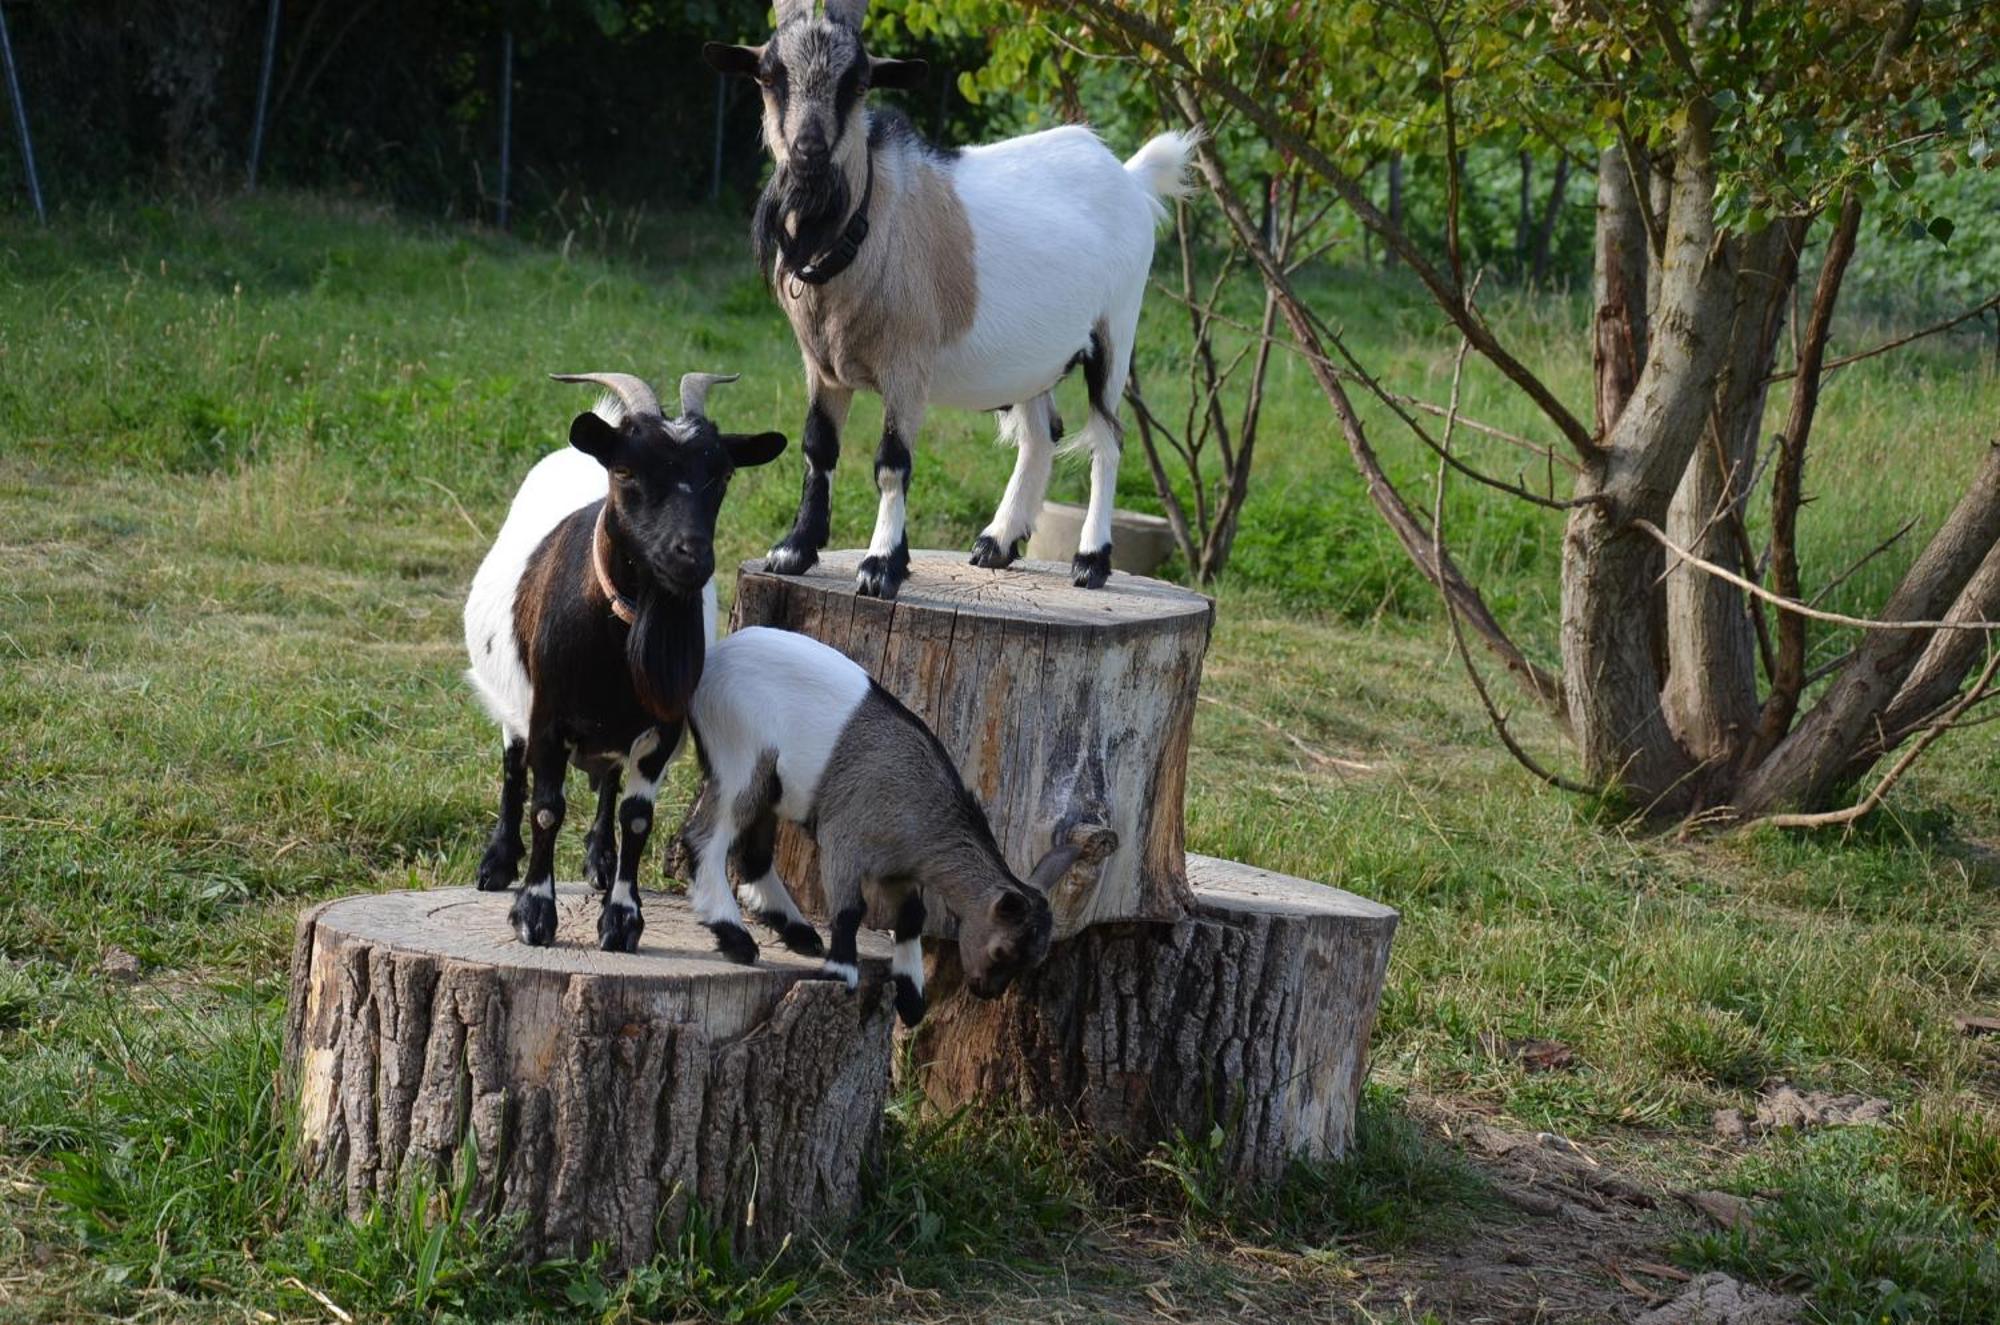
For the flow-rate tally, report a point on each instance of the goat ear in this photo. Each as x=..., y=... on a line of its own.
x=897, y=75
x=594, y=437
x=742, y=61
x=1009, y=907
x=1055, y=863
x=747, y=450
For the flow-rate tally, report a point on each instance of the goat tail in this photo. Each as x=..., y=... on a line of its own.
x=1161, y=166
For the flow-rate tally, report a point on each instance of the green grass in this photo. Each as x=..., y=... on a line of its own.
x=248, y=457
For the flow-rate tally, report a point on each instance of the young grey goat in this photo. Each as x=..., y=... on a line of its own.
x=787, y=727
x=587, y=625
x=975, y=279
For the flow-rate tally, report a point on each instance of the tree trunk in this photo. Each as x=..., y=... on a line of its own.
x=1610, y=667
x=1545, y=233
x=593, y=1095
x=1524, y=217
x=1711, y=684
x=1813, y=762
x=1395, y=204
x=1935, y=680
x=1062, y=707
x=1253, y=1013
x=1618, y=288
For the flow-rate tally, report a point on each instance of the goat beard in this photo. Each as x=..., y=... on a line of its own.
x=816, y=210
x=664, y=651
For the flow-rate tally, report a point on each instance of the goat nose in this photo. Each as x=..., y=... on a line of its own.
x=691, y=547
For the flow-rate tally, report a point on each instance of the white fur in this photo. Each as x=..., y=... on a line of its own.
x=765, y=689
x=1062, y=244
x=1027, y=427
x=560, y=483
x=1062, y=236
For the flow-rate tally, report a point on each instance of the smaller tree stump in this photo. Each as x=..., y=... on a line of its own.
x=1065, y=709
x=597, y=1091
x=1253, y=1012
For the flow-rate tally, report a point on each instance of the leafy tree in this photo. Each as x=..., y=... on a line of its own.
x=1727, y=139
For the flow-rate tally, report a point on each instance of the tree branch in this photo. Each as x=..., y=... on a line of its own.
x=1981, y=689
x=1441, y=571
x=1793, y=605
x=1137, y=29
x=1895, y=344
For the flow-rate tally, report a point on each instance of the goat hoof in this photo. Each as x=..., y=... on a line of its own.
x=799, y=937
x=910, y=1004
x=498, y=869
x=790, y=559
x=619, y=928
x=734, y=942
x=879, y=578
x=1091, y=569
x=987, y=554
x=534, y=917
x=601, y=862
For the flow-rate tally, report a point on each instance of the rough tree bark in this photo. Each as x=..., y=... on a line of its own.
x=1710, y=695
x=1062, y=707
x=598, y=1094
x=1618, y=289
x=1813, y=762
x=1254, y=1012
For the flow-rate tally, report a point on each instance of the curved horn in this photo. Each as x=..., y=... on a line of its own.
x=633, y=394
x=694, y=390
x=847, y=12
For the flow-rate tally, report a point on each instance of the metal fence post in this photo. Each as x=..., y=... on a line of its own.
x=263, y=92
x=21, y=120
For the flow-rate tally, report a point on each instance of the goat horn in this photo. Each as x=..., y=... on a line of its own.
x=694, y=390
x=633, y=394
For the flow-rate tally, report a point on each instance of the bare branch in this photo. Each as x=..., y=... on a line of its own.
x=1319, y=757
x=1136, y=28
x=1980, y=690
x=1493, y=713
x=1442, y=572
x=1792, y=605
x=1895, y=344
x=1865, y=558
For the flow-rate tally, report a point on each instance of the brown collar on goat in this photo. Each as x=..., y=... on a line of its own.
x=841, y=256
x=600, y=561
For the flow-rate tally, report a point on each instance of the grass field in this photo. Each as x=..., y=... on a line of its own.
x=248, y=458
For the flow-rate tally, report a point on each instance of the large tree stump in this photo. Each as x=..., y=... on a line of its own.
x=1063, y=708
x=596, y=1091
x=1253, y=1012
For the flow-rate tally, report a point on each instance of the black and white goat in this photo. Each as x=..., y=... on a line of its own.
x=975, y=279
x=587, y=626
x=789, y=728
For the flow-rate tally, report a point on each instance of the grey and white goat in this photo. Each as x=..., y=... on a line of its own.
x=976, y=279
x=587, y=625
x=789, y=728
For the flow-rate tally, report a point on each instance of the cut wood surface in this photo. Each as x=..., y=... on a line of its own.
x=1254, y=1011
x=1062, y=707
x=597, y=1091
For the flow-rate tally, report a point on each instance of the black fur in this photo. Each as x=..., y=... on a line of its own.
x=846, y=928
x=1089, y=570
x=988, y=554
x=501, y=864
x=734, y=942
x=882, y=577
x=600, y=844
x=799, y=550
x=910, y=1005
x=533, y=916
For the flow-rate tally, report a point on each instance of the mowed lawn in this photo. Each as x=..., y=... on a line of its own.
x=249, y=456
